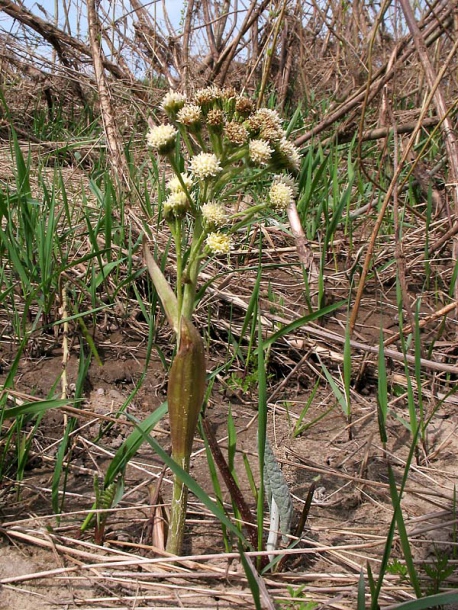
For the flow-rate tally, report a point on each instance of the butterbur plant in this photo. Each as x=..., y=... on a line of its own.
x=219, y=149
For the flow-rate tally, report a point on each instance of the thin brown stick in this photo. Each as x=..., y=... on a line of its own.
x=422, y=323
x=379, y=132
x=448, y=132
x=113, y=140
x=55, y=36
x=398, y=241
x=231, y=485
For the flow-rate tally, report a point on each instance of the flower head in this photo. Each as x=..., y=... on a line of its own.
x=175, y=186
x=162, y=138
x=244, y=106
x=289, y=181
x=205, y=98
x=236, y=133
x=205, y=165
x=215, y=120
x=176, y=205
x=218, y=243
x=281, y=194
x=173, y=102
x=289, y=155
x=260, y=152
x=229, y=93
x=213, y=214
x=190, y=115
x=266, y=124
x=269, y=117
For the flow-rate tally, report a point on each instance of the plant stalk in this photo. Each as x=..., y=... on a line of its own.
x=178, y=509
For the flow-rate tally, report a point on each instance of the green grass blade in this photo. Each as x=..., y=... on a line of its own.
x=375, y=590
x=347, y=371
x=432, y=601
x=251, y=578
x=289, y=328
x=232, y=444
x=132, y=444
x=33, y=408
x=361, y=601
x=262, y=430
x=215, y=482
x=405, y=544
x=335, y=388
x=382, y=391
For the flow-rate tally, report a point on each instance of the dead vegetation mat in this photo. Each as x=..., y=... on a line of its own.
x=47, y=562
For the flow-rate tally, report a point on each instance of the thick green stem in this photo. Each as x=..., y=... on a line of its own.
x=178, y=510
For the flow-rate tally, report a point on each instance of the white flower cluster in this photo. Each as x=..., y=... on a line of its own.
x=260, y=152
x=213, y=214
x=218, y=243
x=205, y=165
x=190, y=114
x=225, y=137
x=173, y=102
x=282, y=193
x=162, y=138
x=176, y=205
x=175, y=185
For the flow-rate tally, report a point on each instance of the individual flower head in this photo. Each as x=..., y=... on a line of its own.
x=215, y=120
x=289, y=181
x=218, y=243
x=207, y=97
x=236, y=133
x=260, y=152
x=162, y=138
x=205, y=165
x=282, y=192
x=175, y=186
x=288, y=156
x=172, y=103
x=228, y=100
x=191, y=116
x=176, y=205
x=229, y=93
x=266, y=124
x=214, y=215
x=269, y=117
x=244, y=106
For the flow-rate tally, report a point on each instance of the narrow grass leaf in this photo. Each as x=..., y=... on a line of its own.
x=35, y=407
x=262, y=430
x=251, y=578
x=347, y=370
x=405, y=544
x=361, y=601
x=432, y=601
x=132, y=443
x=289, y=328
x=382, y=391
x=335, y=388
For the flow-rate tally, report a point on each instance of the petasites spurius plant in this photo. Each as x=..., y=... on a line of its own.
x=221, y=151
